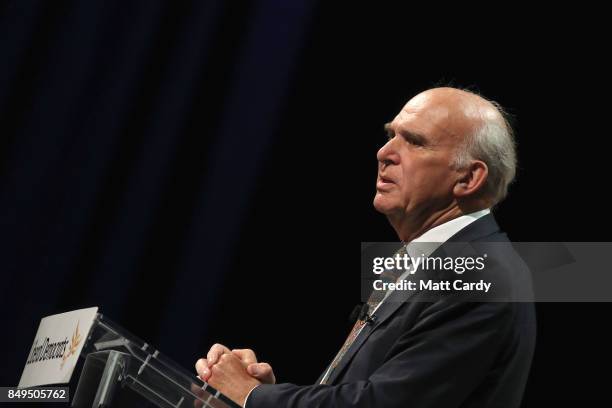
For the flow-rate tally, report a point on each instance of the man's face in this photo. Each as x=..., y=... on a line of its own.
x=415, y=172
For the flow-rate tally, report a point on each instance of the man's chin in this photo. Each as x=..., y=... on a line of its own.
x=383, y=204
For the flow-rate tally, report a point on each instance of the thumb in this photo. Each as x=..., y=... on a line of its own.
x=262, y=371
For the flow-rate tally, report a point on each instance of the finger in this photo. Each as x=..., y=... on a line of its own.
x=216, y=351
x=263, y=372
x=202, y=369
x=246, y=355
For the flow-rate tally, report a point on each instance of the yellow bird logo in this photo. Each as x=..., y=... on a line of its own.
x=74, y=344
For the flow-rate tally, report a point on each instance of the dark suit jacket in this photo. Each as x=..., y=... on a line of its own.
x=443, y=353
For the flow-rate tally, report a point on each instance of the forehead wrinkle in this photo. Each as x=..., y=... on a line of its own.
x=431, y=121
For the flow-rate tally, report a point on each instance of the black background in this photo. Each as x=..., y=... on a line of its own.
x=203, y=171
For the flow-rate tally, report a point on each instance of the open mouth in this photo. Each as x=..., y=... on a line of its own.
x=383, y=182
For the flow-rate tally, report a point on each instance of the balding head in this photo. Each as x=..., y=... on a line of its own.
x=481, y=130
x=447, y=147
x=453, y=112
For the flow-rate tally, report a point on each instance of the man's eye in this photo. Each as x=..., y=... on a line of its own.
x=413, y=141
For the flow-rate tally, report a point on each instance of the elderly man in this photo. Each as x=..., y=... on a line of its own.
x=449, y=158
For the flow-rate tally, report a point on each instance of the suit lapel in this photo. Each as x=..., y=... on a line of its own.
x=478, y=229
x=382, y=314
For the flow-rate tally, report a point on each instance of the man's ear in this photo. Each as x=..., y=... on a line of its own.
x=471, y=179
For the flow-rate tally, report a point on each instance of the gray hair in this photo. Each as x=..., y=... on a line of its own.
x=493, y=143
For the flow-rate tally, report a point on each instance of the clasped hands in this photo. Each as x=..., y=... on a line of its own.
x=235, y=373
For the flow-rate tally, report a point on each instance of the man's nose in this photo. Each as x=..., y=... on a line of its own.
x=388, y=154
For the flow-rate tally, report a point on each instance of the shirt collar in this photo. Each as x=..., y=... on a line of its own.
x=427, y=243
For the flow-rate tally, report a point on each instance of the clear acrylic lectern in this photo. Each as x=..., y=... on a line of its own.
x=121, y=370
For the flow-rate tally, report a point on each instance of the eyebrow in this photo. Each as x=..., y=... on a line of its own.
x=411, y=136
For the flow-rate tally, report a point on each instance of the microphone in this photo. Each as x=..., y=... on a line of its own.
x=364, y=316
x=360, y=312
